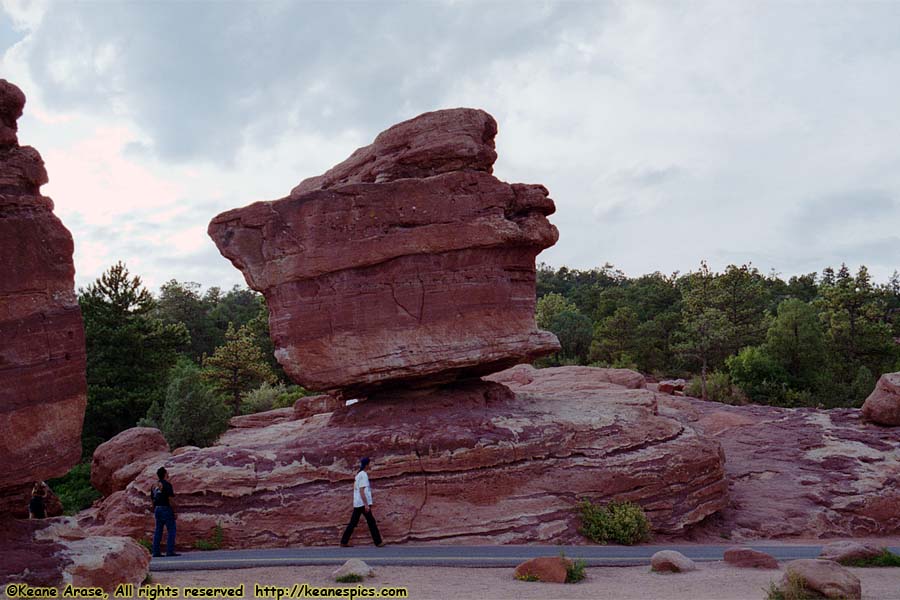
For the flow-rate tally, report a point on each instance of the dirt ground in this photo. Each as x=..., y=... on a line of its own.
x=713, y=581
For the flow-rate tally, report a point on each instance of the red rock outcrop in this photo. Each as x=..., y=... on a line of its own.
x=56, y=552
x=883, y=404
x=408, y=263
x=548, y=569
x=118, y=461
x=42, y=380
x=801, y=472
x=42, y=356
x=475, y=462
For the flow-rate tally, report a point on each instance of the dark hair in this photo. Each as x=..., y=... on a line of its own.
x=363, y=463
x=161, y=472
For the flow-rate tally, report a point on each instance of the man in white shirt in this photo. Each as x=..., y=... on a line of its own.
x=362, y=506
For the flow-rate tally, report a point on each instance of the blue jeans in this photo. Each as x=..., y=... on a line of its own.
x=165, y=517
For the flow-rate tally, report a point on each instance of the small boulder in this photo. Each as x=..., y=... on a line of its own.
x=671, y=561
x=843, y=552
x=883, y=404
x=314, y=405
x=748, y=558
x=824, y=577
x=354, y=566
x=671, y=386
x=549, y=569
x=119, y=460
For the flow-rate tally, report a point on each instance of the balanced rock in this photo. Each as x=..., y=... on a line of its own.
x=42, y=353
x=671, y=561
x=883, y=404
x=849, y=551
x=118, y=461
x=354, y=566
x=549, y=569
x=823, y=577
x=475, y=462
x=408, y=263
x=748, y=558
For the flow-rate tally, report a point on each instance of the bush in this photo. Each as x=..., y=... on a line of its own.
x=74, y=489
x=885, y=559
x=618, y=522
x=575, y=571
x=146, y=544
x=214, y=542
x=349, y=578
x=194, y=415
x=718, y=389
x=268, y=397
x=795, y=589
x=758, y=375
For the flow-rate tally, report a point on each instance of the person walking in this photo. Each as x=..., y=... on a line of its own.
x=362, y=506
x=165, y=516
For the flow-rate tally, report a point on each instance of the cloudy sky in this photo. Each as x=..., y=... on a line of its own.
x=666, y=132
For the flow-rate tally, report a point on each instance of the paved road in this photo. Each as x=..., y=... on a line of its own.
x=454, y=556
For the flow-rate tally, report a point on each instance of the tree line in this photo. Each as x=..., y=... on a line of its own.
x=739, y=335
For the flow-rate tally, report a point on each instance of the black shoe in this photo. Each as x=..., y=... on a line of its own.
x=343, y=545
x=157, y=556
x=381, y=545
x=174, y=554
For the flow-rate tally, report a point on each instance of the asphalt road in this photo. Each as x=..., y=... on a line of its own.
x=454, y=556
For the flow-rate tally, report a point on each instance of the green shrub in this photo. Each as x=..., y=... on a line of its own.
x=575, y=571
x=194, y=414
x=146, y=544
x=214, y=542
x=758, y=375
x=349, y=578
x=268, y=397
x=527, y=577
x=617, y=522
x=885, y=559
x=719, y=388
x=795, y=590
x=74, y=489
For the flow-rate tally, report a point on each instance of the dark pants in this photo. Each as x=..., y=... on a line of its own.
x=165, y=517
x=370, y=519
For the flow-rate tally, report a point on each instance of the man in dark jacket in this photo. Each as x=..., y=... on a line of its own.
x=165, y=516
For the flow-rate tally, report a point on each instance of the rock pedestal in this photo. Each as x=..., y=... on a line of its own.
x=408, y=264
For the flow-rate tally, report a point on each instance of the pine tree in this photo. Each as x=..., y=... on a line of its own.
x=237, y=366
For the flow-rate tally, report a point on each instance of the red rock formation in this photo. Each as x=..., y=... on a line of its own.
x=748, y=558
x=548, y=569
x=801, y=472
x=42, y=357
x=55, y=552
x=118, y=461
x=883, y=404
x=476, y=462
x=407, y=263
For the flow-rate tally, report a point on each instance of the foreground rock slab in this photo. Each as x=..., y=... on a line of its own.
x=883, y=404
x=497, y=462
x=56, y=552
x=408, y=263
x=823, y=577
x=42, y=354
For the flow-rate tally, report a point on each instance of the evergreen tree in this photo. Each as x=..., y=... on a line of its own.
x=194, y=414
x=237, y=366
x=129, y=353
x=796, y=341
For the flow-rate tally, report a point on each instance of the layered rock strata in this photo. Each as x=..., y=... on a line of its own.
x=42, y=356
x=409, y=263
x=803, y=472
x=501, y=461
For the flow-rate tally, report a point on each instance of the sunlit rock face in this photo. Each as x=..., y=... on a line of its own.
x=407, y=264
x=42, y=355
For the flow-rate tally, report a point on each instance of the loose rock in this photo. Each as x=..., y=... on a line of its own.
x=845, y=551
x=824, y=577
x=354, y=566
x=748, y=558
x=671, y=561
x=548, y=569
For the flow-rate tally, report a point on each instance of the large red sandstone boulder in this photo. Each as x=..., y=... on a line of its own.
x=42, y=356
x=119, y=460
x=475, y=462
x=671, y=561
x=847, y=551
x=55, y=552
x=821, y=473
x=823, y=577
x=548, y=569
x=883, y=404
x=408, y=263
